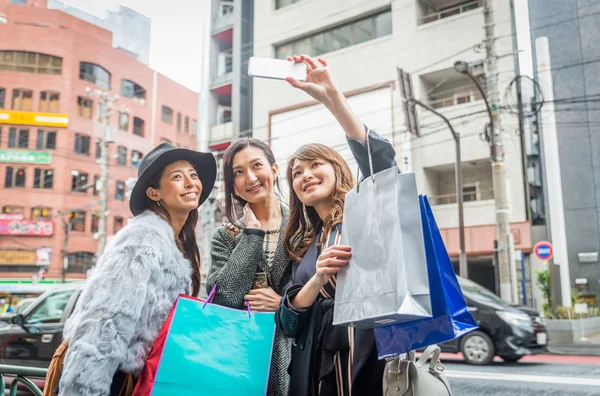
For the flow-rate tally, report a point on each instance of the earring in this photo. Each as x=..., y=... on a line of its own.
x=158, y=203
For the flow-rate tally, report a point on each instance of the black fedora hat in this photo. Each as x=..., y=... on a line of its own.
x=163, y=155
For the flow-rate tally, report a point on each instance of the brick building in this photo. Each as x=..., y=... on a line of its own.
x=49, y=134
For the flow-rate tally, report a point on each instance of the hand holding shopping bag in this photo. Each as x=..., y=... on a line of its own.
x=386, y=280
x=207, y=349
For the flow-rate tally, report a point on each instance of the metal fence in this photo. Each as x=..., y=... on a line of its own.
x=21, y=375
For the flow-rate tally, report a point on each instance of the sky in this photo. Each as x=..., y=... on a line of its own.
x=176, y=35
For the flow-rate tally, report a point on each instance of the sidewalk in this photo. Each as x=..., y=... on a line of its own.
x=590, y=347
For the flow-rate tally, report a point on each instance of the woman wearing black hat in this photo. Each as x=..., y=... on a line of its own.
x=137, y=279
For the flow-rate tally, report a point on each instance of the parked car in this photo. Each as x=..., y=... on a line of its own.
x=505, y=331
x=32, y=336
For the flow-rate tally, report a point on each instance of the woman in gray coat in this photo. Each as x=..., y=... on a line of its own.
x=250, y=268
x=133, y=287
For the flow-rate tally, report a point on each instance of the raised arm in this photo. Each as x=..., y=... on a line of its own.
x=321, y=87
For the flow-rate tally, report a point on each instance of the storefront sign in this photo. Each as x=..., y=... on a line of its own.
x=6, y=216
x=26, y=157
x=34, y=118
x=43, y=256
x=27, y=228
x=17, y=257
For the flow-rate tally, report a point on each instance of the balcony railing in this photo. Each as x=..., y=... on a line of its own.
x=21, y=375
x=467, y=197
x=223, y=21
x=221, y=133
x=456, y=99
x=451, y=11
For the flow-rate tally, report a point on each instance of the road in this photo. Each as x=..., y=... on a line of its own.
x=547, y=375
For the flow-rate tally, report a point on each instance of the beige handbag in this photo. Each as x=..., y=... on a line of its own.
x=409, y=377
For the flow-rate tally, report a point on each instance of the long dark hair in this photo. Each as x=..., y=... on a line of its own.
x=186, y=240
x=231, y=198
x=304, y=220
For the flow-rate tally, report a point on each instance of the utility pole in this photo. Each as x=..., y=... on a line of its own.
x=497, y=155
x=66, y=229
x=107, y=102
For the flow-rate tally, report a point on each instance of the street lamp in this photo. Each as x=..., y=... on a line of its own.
x=463, y=67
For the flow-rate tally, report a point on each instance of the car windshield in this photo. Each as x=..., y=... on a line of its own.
x=478, y=293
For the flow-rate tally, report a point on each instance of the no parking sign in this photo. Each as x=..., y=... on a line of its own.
x=543, y=250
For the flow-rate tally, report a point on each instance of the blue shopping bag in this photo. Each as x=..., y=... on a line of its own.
x=450, y=318
x=207, y=349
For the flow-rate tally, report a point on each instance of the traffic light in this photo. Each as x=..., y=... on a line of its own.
x=408, y=106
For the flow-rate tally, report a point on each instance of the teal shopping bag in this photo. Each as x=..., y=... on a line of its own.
x=211, y=350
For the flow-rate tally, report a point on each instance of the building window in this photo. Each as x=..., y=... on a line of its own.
x=15, y=177
x=30, y=62
x=2, y=97
x=284, y=3
x=14, y=210
x=80, y=262
x=94, y=74
x=95, y=222
x=96, y=182
x=124, y=122
x=49, y=102
x=84, y=107
x=122, y=156
x=82, y=144
x=186, y=125
x=138, y=126
x=334, y=39
x=178, y=122
x=22, y=100
x=77, y=220
x=120, y=193
x=194, y=127
x=18, y=138
x=131, y=90
x=46, y=140
x=44, y=178
x=79, y=181
x=136, y=158
x=41, y=213
x=167, y=115
x=98, y=149
x=118, y=224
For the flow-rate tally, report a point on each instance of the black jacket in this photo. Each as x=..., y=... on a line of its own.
x=304, y=325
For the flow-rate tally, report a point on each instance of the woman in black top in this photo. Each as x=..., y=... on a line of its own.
x=327, y=359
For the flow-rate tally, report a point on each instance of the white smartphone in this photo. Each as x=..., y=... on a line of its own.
x=276, y=69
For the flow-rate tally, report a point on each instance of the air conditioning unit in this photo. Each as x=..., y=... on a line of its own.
x=223, y=114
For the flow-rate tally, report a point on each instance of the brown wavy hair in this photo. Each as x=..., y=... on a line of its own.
x=304, y=220
x=186, y=240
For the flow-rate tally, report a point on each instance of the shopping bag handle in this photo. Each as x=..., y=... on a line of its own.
x=211, y=296
x=370, y=161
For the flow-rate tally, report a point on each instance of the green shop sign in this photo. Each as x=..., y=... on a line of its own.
x=26, y=157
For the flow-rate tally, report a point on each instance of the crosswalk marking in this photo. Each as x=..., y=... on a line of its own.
x=522, y=378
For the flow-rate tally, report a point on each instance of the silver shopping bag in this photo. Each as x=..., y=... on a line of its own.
x=386, y=279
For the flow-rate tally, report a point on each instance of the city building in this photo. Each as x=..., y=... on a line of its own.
x=364, y=43
x=131, y=30
x=227, y=111
x=566, y=138
x=50, y=130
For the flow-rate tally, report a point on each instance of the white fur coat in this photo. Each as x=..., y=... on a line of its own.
x=125, y=302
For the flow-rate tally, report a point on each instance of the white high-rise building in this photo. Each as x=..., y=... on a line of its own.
x=364, y=42
x=131, y=30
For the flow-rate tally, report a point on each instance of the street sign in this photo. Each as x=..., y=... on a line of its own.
x=543, y=250
x=26, y=157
